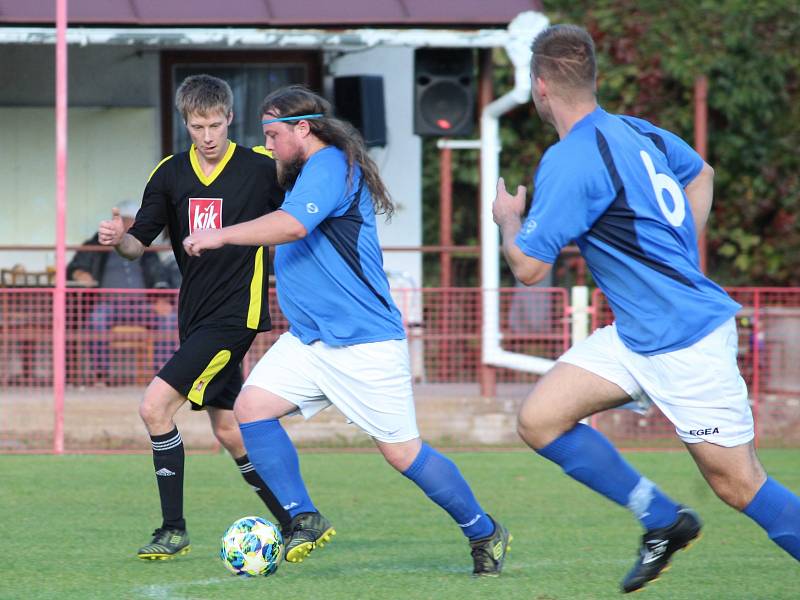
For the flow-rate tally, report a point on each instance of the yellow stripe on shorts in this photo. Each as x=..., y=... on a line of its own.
x=200, y=384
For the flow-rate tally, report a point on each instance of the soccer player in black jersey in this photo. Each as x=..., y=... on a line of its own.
x=223, y=300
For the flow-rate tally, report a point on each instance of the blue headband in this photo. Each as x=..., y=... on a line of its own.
x=297, y=118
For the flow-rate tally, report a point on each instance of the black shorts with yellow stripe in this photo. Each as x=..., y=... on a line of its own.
x=207, y=366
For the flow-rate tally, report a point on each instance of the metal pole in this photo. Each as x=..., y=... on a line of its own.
x=445, y=214
x=756, y=342
x=445, y=240
x=488, y=376
x=701, y=145
x=59, y=294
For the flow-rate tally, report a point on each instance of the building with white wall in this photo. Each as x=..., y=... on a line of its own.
x=127, y=56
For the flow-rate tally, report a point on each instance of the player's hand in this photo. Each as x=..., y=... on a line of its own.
x=506, y=206
x=202, y=240
x=110, y=232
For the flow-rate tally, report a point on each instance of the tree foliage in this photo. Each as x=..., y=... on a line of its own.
x=649, y=55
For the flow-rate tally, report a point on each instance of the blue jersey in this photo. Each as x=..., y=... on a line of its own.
x=614, y=185
x=331, y=284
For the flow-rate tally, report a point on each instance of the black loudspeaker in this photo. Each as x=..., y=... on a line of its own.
x=444, y=94
x=359, y=100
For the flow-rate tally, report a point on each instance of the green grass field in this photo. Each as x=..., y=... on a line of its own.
x=70, y=526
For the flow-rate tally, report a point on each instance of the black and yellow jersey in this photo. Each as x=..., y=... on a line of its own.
x=228, y=286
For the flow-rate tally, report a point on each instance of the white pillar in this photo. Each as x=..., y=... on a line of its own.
x=579, y=309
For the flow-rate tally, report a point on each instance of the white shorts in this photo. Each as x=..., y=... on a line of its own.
x=369, y=383
x=699, y=388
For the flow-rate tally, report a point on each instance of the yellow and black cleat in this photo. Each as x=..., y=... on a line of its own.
x=658, y=546
x=489, y=554
x=166, y=544
x=309, y=531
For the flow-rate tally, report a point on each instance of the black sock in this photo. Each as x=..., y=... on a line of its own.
x=168, y=458
x=250, y=475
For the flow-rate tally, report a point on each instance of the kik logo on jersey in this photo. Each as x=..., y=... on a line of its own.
x=205, y=213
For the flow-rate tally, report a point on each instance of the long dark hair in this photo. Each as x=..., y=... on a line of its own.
x=295, y=100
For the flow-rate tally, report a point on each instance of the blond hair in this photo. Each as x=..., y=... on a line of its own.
x=203, y=95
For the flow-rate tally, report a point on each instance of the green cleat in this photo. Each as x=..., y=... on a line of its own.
x=309, y=531
x=489, y=553
x=166, y=544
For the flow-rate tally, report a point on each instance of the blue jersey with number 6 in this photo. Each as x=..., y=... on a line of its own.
x=614, y=185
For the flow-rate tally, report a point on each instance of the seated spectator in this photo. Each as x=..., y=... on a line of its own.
x=108, y=270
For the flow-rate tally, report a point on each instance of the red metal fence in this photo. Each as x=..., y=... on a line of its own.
x=769, y=360
x=116, y=340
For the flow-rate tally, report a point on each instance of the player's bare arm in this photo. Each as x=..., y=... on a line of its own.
x=112, y=233
x=507, y=212
x=278, y=227
x=700, y=194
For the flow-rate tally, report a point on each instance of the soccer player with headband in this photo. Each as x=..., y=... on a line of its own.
x=346, y=344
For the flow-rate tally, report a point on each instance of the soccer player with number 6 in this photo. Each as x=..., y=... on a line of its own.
x=634, y=197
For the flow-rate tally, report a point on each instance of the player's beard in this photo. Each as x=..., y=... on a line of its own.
x=288, y=171
x=543, y=109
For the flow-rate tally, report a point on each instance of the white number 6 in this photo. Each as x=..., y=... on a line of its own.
x=664, y=183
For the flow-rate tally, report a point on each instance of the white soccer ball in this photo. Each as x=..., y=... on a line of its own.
x=252, y=547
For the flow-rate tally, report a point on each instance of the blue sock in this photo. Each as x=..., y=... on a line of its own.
x=442, y=482
x=777, y=510
x=275, y=459
x=587, y=456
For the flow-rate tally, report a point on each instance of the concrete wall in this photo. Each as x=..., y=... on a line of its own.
x=114, y=140
x=111, y=153
x=98, y=76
